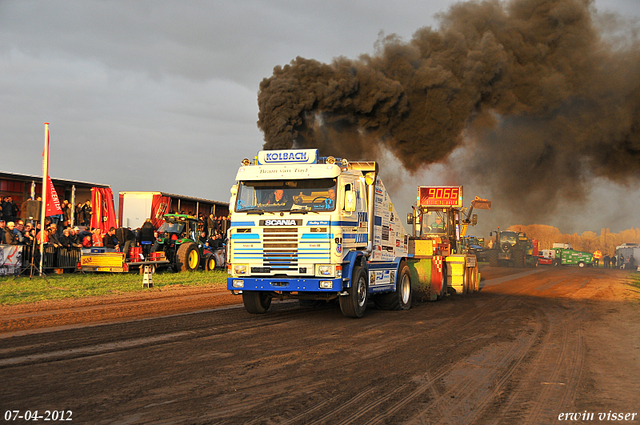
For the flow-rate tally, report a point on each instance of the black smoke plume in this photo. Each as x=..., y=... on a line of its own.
x=541, y=95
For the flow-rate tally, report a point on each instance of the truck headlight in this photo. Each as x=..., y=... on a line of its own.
x=326, y=284
x=325, y=270
x=238, y=283
x=240, y=269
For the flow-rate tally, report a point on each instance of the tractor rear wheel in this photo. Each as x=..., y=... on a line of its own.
x=209, y=262
x=188, y=257
x=493, y=258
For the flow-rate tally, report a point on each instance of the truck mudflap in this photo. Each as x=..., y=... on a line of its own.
x=305, y=284
x=427, y=279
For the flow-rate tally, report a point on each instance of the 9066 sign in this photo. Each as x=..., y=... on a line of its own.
x=440, y=196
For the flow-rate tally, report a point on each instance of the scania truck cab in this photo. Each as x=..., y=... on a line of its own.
x=311, y=228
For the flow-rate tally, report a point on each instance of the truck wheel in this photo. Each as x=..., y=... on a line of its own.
x=209, y=263
x=581, y=264
x=256, y=302
x=401, y=298
x=354, y=304
x=556, y=262
x=188, y=257
x=493, y=258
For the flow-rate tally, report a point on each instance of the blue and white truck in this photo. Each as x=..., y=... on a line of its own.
x=311, y=228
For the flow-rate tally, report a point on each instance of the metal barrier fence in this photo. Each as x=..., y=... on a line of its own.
x=54, y=258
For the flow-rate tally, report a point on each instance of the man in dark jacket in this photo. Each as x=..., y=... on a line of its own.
x=146, y=237
x=9, y=238
x=109, y=240
x=125, y=238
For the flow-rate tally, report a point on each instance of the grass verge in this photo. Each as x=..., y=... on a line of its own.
x=23, y=290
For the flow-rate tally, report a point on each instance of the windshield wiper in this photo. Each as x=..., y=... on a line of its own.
x=255, y=212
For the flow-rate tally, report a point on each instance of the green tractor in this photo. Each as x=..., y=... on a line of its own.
x=509, y=248
x=178, y=238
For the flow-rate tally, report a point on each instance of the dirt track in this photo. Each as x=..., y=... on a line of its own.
x=527, y=348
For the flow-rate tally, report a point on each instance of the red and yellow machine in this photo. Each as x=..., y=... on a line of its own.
x=438, y=258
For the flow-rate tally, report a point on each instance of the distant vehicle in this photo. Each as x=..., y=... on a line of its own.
x=566, y=255
x=546, y=256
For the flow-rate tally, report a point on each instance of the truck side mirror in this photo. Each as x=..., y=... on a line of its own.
x=474, y=219
x=349, y=201
x=409, y=218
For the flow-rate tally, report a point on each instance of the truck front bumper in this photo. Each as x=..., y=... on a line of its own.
x=284, y=284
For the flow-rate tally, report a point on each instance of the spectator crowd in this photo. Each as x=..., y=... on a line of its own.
x=62, y=239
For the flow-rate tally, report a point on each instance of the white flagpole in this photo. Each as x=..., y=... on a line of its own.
x=45, y=173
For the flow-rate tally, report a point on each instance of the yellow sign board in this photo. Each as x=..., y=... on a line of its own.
x=107, y=259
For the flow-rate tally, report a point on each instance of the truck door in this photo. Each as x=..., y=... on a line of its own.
x=353, y=214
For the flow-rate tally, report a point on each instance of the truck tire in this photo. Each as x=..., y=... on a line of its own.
x=256, y=302
x=518, y=258
x=187, y=257
x=354, y=304
x=476, y=279
x=581, y=264
x=445, y=288
x=493, y=258
x=209, y=263
x=401, y=298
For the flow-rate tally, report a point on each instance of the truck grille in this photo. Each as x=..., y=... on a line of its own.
x=280, y=248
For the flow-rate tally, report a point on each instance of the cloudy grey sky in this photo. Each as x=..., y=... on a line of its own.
x=162, y=95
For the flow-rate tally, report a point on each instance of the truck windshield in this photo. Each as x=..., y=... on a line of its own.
x=171, y=227
x=434, y=223
x=286, y=195
x=508, y=237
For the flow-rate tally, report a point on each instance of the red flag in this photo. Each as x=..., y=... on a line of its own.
x=52, y=203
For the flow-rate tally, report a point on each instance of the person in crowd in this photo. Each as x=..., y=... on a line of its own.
x=61, y=226
x=67, y=211
x=621, y=262
x=2, y=229
x=18, y=231
x=97, y=237
x=606, y=261
x=147, y=232
x=146, y=237
x=217, y=242
x=126, y=238
x=53, y=236
x=42, y=236
x=614, y=261
x=9, y=237
x=211, y=224
x=203, y=237
x=29, y=234
x=109, y=240
x=632, y=262
x=87, y=211
x=9, y=209
x=79, y=219
x=86, y=238
x=65, y=241
x=73, y=237
x=210, y=241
